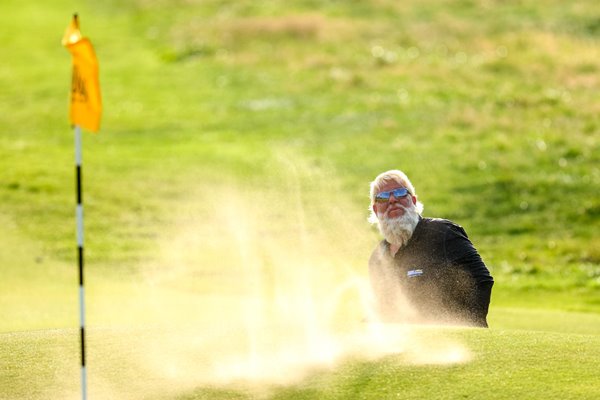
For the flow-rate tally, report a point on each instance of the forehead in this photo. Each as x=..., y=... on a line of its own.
x=390, y=185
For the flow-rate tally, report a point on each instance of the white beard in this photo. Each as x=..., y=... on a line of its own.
x=398, y=230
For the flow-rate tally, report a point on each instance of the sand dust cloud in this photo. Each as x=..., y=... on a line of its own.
x=256, y=285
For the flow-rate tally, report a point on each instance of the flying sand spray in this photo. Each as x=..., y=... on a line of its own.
x=287, y=287
x=257, y=287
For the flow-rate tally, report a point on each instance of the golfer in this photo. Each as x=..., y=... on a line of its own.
x=426, y=270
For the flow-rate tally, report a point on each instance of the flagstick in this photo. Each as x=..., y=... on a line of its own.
x=79, y=214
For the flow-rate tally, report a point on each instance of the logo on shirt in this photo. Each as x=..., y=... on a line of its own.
x=414, y=272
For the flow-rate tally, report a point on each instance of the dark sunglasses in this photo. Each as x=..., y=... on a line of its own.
x=384, y=197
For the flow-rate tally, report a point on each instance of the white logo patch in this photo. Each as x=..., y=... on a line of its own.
x=414, y=272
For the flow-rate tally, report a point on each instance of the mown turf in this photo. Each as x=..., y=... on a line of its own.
x=504, y=364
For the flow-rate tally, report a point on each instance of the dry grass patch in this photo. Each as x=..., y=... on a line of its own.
x=228, y=32
x=290, y=26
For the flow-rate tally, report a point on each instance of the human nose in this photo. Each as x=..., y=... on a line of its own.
x=392, y=197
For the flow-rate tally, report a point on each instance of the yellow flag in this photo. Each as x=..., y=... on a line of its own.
x=86, y=105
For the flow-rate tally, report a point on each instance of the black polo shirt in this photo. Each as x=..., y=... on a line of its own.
x=437, y=277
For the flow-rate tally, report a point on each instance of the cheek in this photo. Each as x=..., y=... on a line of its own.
x=406, y=202
x=380, y=208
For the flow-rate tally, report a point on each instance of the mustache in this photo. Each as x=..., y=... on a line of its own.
x=395, y=207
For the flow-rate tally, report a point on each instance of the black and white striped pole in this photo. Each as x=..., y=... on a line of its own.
x=84, y=112
x=79, y=216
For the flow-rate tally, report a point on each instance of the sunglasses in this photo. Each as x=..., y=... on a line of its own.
x=384, y=197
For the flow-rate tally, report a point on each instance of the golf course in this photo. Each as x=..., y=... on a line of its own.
x=226, y=197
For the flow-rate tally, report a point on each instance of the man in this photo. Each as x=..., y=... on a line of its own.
x=425, y=270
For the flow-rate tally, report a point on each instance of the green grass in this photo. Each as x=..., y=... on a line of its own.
x=237, y=143
x=505, y=364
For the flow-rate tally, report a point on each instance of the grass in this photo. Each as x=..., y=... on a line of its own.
x=232, y=130
x=505, y=364
x=521, y=375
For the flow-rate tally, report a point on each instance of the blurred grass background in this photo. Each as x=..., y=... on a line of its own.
x=491, y=107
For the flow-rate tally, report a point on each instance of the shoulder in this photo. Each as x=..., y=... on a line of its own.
x=440, y=225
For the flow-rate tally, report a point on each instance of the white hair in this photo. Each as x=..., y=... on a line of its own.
x=393, y=175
